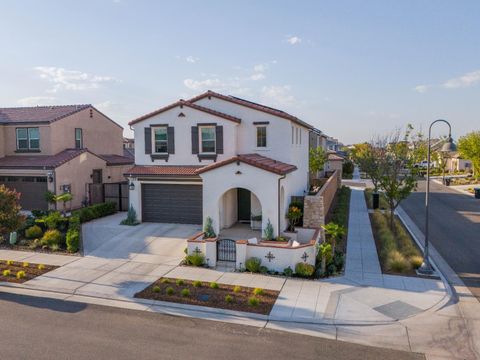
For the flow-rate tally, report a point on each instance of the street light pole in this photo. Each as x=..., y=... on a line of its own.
x=426, y=268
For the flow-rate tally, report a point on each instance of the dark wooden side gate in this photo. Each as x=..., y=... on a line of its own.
x=110, y=192
x=226, y=250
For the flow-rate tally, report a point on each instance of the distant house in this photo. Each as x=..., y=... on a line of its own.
x=59, y=149
x=456, y=163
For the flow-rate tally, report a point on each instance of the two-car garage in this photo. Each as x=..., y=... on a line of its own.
x=172, y=203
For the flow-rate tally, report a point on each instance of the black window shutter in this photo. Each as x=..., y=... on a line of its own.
x=171, y=139
x=148, y=140
x=219, y=139
x=194, y=139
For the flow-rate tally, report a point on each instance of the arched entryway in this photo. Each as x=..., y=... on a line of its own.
x=240, y=209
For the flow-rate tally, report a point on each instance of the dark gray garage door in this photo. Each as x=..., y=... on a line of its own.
x=168, y=203
x=31, y=188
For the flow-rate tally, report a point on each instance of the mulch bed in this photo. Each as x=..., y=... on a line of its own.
x=206, y=296
x=7, y=246
x=31, y=271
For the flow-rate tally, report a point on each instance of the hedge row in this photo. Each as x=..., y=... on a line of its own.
x=95, y=211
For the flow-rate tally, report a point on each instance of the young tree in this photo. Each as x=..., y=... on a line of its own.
x=469, y=148
x=366, y=156
x=398, y=175
x=317, y=159
x=10, y=217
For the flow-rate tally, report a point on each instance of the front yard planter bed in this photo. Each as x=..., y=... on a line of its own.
x=9, y=271
x=237, y=298
x=24, y=245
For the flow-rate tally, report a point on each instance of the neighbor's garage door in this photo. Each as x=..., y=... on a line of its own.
x=32, y=190
x=172, y=203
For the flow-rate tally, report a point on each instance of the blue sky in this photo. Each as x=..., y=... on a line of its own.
x=351, y=68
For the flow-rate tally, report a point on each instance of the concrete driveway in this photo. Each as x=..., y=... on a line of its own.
x=119, y=260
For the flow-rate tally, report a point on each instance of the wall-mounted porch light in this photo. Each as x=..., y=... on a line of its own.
x=131, y=186
x=50, y=176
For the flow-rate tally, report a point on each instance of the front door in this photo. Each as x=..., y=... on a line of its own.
x=97, y=177
x=244, y=206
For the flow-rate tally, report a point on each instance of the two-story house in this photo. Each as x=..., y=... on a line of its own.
x=59, y=149
x=221, y=157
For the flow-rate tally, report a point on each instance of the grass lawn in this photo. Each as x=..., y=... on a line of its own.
x=221, y=296
x=19, y=272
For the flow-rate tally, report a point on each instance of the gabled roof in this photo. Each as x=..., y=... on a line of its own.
x=40, y=161
x=252, y=105
x=259, y=161
x=113, y=159
x=163, y=170
x=182, y=103
x=38, y=114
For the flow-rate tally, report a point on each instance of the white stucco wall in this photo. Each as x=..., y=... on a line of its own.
x=183, y=139
x=228, y=209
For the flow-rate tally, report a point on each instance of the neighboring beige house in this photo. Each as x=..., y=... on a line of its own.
x=60, y=149
x=334, y=162
x=456, y=163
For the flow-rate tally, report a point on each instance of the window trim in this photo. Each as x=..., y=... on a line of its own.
x=28, y=139
x=257, y=128
x=80, y=140
x=154, y=148
x=200, y=141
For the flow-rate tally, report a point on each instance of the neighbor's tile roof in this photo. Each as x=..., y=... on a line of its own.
x=335, y=157
x=256, y=160
x=38, y=114
x=162, y=170
x=190, y=105
x=113, y=159
x=40, y=161
x=252, y=105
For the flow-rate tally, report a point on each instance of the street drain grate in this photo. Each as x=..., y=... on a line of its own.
x=398, y=310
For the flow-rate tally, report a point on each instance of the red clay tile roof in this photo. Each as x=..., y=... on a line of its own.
x=38, y=114
x=40, y=161
x=162, y=170
x=252, y=105
x=256, y=160
x=188, y=104
x=113, y=159
x=335, y=157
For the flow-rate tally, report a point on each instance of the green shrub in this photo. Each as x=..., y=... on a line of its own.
x=170, y=291
x=258, y=291
x=208, y=228
x=397, y=262
x=95, y=211
x=54, y=247
x=253, y=264
x=214, y=285
x=20, y=274
x=263, y=269
x=9, y=262
x=180, y=282
x=40, y=267
x=228, y=299
x=51, y=238
x=195, y=259
x=52, y=220
x=156, y=289
x=6, y=272
x=237, y=289
x=131, y=219
x=253, y=301
x=25, y=264
x=185, y=292
x=164, y=281
x=33, y=232
x=73, y=234
x=304, y=269
x=197, y=283
x=288, y=271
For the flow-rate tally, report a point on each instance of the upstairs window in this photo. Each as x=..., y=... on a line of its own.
x=261, y=136
x=207, y=139
x=28, y=139
x=78, y=139
x=160, y=138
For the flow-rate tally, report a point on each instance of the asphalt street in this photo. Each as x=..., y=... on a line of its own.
x=454, y=228
x=38, y=328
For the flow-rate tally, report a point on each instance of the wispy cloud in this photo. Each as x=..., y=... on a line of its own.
x=63, y=79
x=279, y=95
x=36, y=100
x=191, y=59
x=293, y=40
x=421, y=88
x=465, y=80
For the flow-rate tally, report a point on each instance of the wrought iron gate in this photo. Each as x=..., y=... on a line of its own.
x=226, y=250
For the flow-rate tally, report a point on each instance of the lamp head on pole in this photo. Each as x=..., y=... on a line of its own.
x=449, y=146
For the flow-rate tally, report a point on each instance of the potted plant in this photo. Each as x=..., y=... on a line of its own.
x=256, y=222
x=294, y=215
x=208, y=229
